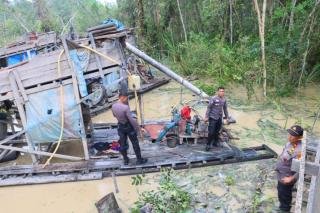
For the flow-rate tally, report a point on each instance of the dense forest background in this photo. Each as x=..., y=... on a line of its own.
x=273, y=44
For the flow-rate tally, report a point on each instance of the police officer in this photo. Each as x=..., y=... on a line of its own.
x=214, y=114
x=127, y=127
x=286, y=177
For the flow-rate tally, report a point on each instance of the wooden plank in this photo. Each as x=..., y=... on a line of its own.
x=55, y=84
x=42, y=76
x=97, y=57
x=21, y=112
x=300, y=182
x=101, y=26
x=76, y=93
x=20, y=86
x=314, y=193
x=41, y=179
x=67, y=157
x=55, y=167
x=315, y=202
x=12, y=137
x=8, y=96
x=115, y=35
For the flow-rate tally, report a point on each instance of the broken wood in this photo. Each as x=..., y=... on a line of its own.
x=21, y=112
x=42, y=179
x=67, y=157
x=108, y=204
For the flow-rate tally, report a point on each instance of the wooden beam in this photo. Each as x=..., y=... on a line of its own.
x=4, y=153
x=300, y=182
x=67, y=157
x=20, y=86
x=12, y=137
x=40, y=179
x=22, y=114
x=77, y=96
x=97, y=57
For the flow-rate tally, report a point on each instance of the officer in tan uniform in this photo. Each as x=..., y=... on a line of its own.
x=286, y=177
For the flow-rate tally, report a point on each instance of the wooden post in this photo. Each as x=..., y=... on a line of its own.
x=314, y=192
x=76, y=93
x=22, y=114
x=93, y=45
x=141, y=108
x=20, y=86
x=67, y=157
x=123, y=73
x=12, y=137
x=300, y=183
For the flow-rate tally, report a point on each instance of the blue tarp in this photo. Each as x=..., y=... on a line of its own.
x=43, y=113
x=17, y=58
x=117, y=23
x=111, y=83
x=80, y=61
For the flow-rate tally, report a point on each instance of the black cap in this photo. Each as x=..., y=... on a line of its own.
x=295, y=130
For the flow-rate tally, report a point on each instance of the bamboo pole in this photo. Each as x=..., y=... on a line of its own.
x=67, y=157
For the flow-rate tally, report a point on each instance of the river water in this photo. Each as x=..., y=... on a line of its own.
x=255, y=125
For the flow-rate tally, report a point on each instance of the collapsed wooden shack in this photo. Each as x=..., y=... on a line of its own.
x=54, y=93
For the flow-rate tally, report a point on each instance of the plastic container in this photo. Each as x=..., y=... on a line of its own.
x=134, y=82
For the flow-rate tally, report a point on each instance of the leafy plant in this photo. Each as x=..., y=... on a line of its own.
x=169, y=197
x=229, y=181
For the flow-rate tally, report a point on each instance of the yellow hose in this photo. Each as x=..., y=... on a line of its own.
x=101, y=54
x=62, y=112
x=62, y=97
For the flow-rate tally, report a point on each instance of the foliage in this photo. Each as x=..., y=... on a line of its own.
x=169, y=197
x=211, y=51
x=137, y=180
x=229, y=180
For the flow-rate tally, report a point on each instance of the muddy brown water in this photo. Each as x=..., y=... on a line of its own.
x=79, y=197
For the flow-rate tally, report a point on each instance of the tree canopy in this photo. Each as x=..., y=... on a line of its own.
x=222, y=40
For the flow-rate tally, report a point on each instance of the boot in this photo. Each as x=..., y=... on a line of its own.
x=137, y=151
x=141, y=161
x=126, y=160
x=125, y=157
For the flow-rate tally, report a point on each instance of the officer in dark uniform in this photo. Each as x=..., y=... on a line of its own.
x=127, y=127
x=214, y=114
x=286, y=177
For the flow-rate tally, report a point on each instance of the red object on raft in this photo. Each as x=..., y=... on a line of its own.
x=186, y=113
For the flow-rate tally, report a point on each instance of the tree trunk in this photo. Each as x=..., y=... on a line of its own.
x=182, y=22
x=317, y=3
x=261, y=24
x=140, y=22
x=231, y=24
x=293, y=4
x=198, y=14
x=43, y=15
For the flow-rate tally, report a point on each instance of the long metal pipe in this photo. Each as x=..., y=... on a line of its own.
x=166, y=70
